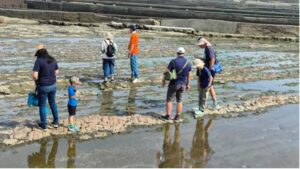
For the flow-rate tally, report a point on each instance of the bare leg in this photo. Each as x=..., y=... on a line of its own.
x=213, y=94
x=169, y=108
x=179, y=108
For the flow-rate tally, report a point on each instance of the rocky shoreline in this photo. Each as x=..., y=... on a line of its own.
x=98, y=126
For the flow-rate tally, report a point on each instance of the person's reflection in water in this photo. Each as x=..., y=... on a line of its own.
x=131, y=106
x=107, y=102
x=39, y=160
x=71, y=153
x=200, y=150
x=172, y=156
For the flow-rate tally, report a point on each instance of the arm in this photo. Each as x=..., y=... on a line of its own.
x=163, y=81
x=103, y=47
x=56, y=72
x=211, y=64
x=35, y=75
x=210, y=82
x=188, y=87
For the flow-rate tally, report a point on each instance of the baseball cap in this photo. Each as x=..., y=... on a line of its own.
x=180, y=50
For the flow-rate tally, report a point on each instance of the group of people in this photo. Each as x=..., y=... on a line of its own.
x=46, y=69
x=205, y=73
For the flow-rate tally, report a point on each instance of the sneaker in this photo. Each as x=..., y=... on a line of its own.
x=76, y=128
x=199, y=113
x=216, y=106
x=135, y=80
x=112, y=79
x=54, y=125
x=177, y=118
x=41, y=127
x=105, y=80
x=166, y=117
x=71, y=128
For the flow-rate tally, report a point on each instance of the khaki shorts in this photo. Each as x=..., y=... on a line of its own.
x=175, y=91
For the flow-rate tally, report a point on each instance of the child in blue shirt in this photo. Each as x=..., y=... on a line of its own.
x=204, y=83
x=72, y=103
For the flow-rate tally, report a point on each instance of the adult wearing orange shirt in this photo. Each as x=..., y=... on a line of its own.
x=133, y=51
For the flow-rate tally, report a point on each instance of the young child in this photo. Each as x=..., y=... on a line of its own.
x=204, y=83
x=72, y=103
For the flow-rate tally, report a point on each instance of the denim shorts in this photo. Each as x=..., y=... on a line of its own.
x=175, y=91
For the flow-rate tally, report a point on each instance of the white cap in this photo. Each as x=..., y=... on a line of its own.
x=180, y=50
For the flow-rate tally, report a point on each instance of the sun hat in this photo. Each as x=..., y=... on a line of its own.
x=40, y=46
x=109, y=35
x=180, y=50
x=198, y=63
x=75, y=80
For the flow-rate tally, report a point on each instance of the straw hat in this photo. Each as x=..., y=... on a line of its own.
x=109, y=35
x=199, y=63
x=40, y=46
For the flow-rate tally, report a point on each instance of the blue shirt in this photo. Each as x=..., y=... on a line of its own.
x=204, y=76
x=209, y=54
x=178, y=64
x=46, y=71
x=72, y=92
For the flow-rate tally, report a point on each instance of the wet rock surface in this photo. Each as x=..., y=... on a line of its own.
x=112, y=108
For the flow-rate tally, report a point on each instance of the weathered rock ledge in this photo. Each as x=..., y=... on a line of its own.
x=97, y=126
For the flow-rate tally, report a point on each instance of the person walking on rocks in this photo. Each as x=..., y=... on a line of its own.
x=181, y=68
x=133, y=53
x=44, y=74
x=109, y=50
x=209, y=60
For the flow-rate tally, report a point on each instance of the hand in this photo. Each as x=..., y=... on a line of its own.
x=187, y=88
x=129, y=55
x=163, y=83
x=208, y=87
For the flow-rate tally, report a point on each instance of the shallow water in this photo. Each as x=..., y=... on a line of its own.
x=266, y=140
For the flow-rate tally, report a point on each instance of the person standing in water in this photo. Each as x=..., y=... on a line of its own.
x=44, y=75
x=133, y=53
x=209, y=60
x=109, y=50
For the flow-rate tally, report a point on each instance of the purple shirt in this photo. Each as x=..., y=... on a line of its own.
x=179, y=62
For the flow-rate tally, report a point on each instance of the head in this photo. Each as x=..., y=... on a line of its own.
x=43, y=53
x=203, y=43
x=74, y=81
x=180, y=51
x=199, y=64
x=132, y=28
x=109, y=36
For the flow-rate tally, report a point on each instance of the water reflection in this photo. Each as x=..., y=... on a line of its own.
x=71, y=153
x=107, y=102
x=131, y=105
x=174, y=156
x=200, y=151
x=39, y=159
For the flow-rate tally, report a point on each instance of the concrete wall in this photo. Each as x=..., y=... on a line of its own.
x=234, y=27
x=12, y=4
x=206, y=25
x=161, y=13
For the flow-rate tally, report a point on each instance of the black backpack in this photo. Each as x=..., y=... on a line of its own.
x=110, y=49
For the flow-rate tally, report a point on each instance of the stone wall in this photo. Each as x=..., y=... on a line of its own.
x=12, y=4
x=162, y=13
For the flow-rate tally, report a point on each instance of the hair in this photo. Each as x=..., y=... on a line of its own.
x=71, y=83
x=43, y=53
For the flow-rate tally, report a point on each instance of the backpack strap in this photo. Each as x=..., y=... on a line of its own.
x=186, y=63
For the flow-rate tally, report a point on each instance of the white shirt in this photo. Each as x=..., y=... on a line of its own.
x=104, y=45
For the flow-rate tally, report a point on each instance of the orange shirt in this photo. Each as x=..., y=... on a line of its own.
x=133, y=45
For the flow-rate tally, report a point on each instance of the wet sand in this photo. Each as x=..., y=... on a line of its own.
x=266, y=140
